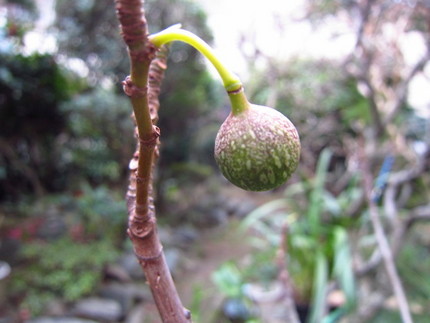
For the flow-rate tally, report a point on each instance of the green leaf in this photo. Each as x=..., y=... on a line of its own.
x=265, y=210
x=331, y=203
x=343, y=270
x=316, y=196
x=229, y=280
x=319, y=289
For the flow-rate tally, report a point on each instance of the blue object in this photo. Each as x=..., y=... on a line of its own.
x=382, y=179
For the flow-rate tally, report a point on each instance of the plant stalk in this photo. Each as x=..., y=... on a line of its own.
x=231, y=81
x=142, y=227
x=382, y=240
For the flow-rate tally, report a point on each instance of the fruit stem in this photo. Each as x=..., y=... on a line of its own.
x=239, y=102
x=174, y=33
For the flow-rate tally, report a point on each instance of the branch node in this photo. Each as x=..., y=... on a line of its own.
x=235, y=91
x=187, y=314
x=140, y=226
x=152, y=140
x=149, y=258
x=142, y=55
x=134, y=162
x=132, y=90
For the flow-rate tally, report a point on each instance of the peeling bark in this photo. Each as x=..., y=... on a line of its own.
x=143, y=88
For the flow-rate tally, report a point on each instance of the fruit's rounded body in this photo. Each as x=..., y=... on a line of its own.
x=257, y=149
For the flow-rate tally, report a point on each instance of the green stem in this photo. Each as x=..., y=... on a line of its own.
x=239, y=102
x=231, y=81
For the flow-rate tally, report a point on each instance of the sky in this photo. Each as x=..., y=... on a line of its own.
x=275, y=27
x=38, y=39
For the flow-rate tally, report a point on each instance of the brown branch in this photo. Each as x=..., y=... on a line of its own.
x=382, y=241
x=378, y=126
x=284, y=278
x=371, y=305
x=420, y=213
x=141, y=52
x=156, y=75
x=393, y=96
x=143, y=87
x=377, y=300
x=402, y=89
x=365, y=17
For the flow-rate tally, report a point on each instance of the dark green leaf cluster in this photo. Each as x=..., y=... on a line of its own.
x=32, y=89
x=27, y=4
x=61, y=269
x=19, y=19
x=98, y=206
x=68, y=265
x=89, y=31
x=99, y=139
x=35, y=81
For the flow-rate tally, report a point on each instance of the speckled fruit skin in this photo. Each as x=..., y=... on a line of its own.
x=257, y=149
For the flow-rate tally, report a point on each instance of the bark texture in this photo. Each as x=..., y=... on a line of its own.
x=143, y=86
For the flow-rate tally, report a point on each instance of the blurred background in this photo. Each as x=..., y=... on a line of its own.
x=352, y=75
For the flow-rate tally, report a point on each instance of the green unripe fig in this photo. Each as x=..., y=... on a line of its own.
x=257, y=148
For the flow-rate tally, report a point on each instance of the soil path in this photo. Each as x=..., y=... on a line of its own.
x=195, y=287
